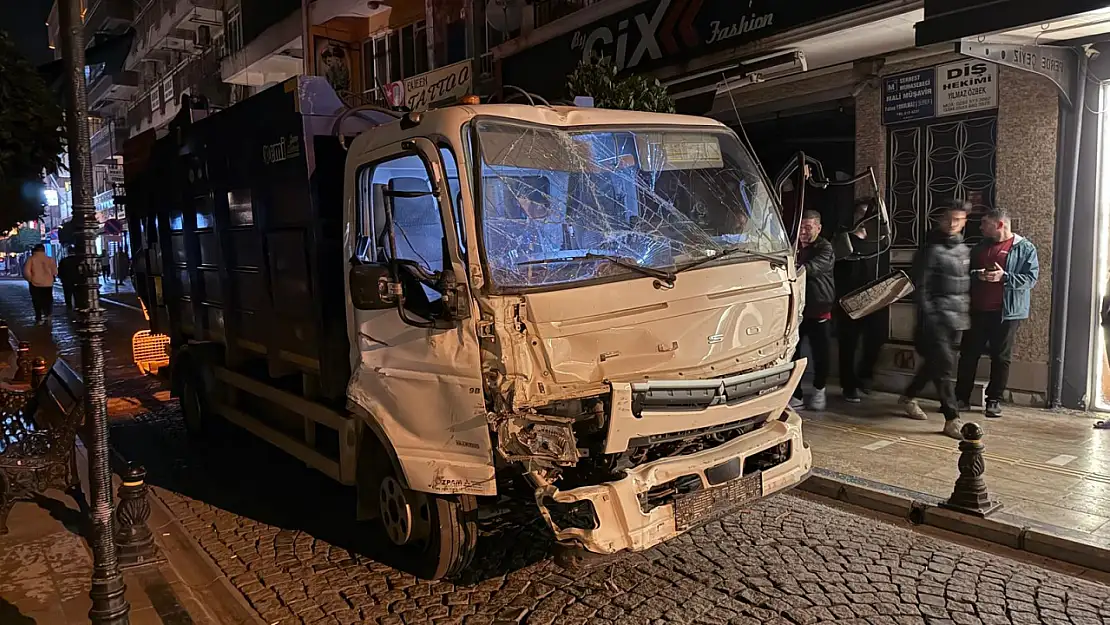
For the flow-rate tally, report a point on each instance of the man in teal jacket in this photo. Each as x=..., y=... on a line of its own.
x=1004, y=270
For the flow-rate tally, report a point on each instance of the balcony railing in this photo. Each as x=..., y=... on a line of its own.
x=185, y=25
x=107, y=15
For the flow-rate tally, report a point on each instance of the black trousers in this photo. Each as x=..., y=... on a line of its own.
x=67, y=291
x=936, y=346
x=817, y=332
x=988, y=333
x=855, y=372
x=42, y=298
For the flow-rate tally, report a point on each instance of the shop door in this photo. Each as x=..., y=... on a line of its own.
x=930, y=164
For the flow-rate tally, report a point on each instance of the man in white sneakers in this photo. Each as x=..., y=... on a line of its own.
x=817, y=257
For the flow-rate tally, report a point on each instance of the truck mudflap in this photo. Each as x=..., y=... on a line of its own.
x=659, y=500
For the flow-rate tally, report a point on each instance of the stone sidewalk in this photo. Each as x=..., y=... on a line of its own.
x=45, y=559
x=46, y=567
x=1049, y=466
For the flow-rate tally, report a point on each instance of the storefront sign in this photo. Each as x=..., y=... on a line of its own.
x=949, y=89
x=909, y=96
x=654, y=33
x=1059, y=65
x=966, y=86
x=425, y=90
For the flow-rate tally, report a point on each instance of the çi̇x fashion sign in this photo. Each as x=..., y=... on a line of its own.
x=665, y=29
x=949, y=89
x=654, y=33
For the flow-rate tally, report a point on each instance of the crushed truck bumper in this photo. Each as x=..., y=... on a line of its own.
x=659, y=500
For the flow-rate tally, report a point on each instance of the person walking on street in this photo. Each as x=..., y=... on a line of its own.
x=1004, y=270
x=69, y=273
x=104, y=266
x=852, y=273
x=817, y=257
x=941, y=283
x=40, y=271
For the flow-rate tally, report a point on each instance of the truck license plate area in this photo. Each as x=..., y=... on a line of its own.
x=696, y=508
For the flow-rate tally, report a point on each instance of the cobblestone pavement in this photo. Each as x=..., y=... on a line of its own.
x=286, y=538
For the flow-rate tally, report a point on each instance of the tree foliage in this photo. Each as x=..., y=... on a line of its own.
x=32, y=138
x=598, y=79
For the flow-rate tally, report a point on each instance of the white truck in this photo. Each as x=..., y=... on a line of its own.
x=422, y=305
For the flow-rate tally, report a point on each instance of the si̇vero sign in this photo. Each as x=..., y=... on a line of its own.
x=950, y=89
x=424, y=90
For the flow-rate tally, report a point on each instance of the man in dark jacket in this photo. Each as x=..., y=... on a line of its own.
x=941, y=283
x=1005, y=269
x=816, y=256
x=852, y=273
x=69, y=273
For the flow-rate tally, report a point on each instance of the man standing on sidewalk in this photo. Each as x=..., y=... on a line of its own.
x=817, y=256
x=40, y=271
x=941, y=282
x=1004, y=270
x=69, y=273
x=853, y=273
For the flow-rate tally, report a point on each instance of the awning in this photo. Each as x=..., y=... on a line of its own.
x=953, y=20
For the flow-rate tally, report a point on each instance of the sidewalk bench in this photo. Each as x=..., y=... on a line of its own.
x=38, y=431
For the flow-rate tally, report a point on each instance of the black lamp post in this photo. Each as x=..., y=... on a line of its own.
x=109, y=607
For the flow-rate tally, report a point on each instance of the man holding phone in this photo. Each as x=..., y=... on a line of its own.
x=1004, y=270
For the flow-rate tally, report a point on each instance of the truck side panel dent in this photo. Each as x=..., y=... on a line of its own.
x=422, y=386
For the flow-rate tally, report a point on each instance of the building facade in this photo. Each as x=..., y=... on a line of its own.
x=849, y=84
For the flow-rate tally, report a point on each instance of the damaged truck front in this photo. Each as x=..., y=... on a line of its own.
x=601, y=303
x=440, y=308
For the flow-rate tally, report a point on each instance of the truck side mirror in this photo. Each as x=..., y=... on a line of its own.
x=372, y=287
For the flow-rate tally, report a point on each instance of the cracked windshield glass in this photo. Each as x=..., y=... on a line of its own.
x=564, y=206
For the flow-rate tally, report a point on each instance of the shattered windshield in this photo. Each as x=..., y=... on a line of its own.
x=562, y=206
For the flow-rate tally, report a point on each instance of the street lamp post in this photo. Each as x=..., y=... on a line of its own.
x=109, y=607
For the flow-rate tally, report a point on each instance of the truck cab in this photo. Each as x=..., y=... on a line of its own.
x=601, y=306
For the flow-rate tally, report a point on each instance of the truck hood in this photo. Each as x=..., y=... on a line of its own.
x=715, y=321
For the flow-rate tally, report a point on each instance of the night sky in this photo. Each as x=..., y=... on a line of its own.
x=25, y=21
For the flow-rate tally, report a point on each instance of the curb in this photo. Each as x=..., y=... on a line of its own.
x=1001, y=528
x=208, y=581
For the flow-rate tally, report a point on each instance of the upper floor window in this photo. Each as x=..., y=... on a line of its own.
x=395, y=55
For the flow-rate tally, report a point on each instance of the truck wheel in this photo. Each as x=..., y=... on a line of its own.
x=431, y=536
x=194, y=408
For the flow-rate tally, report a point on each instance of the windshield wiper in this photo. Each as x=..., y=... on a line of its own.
x=730, y=251
x=651, y=272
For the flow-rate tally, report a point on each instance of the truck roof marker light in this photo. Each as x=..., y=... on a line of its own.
x=470, y=100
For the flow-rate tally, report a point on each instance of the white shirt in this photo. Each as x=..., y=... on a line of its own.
x=40, y=270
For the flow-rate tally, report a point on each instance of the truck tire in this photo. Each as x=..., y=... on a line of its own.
x=431, y=536
x=194, y=405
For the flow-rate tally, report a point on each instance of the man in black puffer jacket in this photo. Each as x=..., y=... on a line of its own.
x=942, y=287
x=817, y=256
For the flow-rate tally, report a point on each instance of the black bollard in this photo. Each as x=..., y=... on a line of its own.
x=38, y=371
x=23, y=363
x=134, y=540
x=970, y=494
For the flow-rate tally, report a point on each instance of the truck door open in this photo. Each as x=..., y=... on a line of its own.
x=420, y=358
